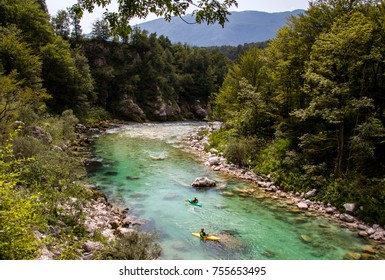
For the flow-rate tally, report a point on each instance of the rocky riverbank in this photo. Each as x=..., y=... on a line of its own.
x=103, y=221
x=264, y=187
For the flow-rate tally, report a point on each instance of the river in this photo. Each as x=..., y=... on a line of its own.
x=146, y=169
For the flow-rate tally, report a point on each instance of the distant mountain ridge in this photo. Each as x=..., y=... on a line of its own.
x=242, y=27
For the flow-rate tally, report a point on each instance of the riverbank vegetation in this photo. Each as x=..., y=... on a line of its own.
x=52, y=78
x=308, y=109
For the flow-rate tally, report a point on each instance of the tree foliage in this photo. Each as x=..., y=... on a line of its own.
x=149, y=78
x=19, y=211
x=318, y=103
x=50, y=76
x=208, y=11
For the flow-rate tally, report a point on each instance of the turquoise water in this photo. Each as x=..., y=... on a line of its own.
x=146, y=169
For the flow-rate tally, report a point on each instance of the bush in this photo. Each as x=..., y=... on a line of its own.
x=27, y=147
x=271, y=158
x=93, y=116
x=19, y=210
x=218, y=139
x=243, y=151
x=61, y=128
x=135, y=246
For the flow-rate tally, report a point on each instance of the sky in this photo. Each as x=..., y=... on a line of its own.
x=243, y=5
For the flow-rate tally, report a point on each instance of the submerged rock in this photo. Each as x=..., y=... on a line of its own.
x=306, y=238
x=369, y=250
x=179, y=246
x=156, y=158
x=229, y=242
x=138, y=196
x=367, y=257
x=227, y=194
x=93, y=164
x=352, y=256
x=171, y=196
x=132, y=177
x=111, y=173
x=300, y=220
x=268, y=253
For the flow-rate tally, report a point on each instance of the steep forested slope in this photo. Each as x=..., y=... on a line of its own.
x=309, y=108
x=150, y=79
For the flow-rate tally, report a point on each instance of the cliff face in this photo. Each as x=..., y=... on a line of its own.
x=151, y=79
x=159, y=109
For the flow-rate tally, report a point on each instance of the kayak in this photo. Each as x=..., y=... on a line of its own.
x=194, y=203
x=210, y=237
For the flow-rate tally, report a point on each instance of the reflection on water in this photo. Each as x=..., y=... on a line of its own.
x=145, y=169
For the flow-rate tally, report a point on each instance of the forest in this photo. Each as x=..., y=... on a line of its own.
x=306, y=107
x=309, y=108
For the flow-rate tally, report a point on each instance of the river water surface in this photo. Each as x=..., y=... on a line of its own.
x=146, y=169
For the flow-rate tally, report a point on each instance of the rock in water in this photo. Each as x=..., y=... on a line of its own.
x=202, y=182
x=306, y=238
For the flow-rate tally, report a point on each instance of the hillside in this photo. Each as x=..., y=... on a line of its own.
x=243, y=27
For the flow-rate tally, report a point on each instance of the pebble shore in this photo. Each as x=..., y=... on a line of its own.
x=263, y=186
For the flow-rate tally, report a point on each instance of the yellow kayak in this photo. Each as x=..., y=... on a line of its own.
x=210, y=237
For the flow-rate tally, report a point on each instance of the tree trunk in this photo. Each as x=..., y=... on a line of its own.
x=340, y=149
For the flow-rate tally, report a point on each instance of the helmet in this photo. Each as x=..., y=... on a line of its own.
x=202, y=229
x=195, y=197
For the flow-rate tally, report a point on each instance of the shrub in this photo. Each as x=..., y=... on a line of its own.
x=271, y=158
x=19, y=210
x=218, y=139
x=135, y=246
x=93, y=116
x=243, y=151
x=27, y=147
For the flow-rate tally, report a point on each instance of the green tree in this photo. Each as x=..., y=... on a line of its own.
x=16, y=54
x=205, y=11
x=43, y=5
x=243, y=102
x=335, y=83
x=66, y=75
x=30, y=18
x=76, y=32
x=61, y=24
x=101, y=30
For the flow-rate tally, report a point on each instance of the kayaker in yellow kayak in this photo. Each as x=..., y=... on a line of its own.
x=202, y=234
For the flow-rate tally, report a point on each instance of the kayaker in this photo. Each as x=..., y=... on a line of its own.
x=195, y=200
x=202, y=234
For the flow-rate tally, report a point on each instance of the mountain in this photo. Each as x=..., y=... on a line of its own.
x=242, y=27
